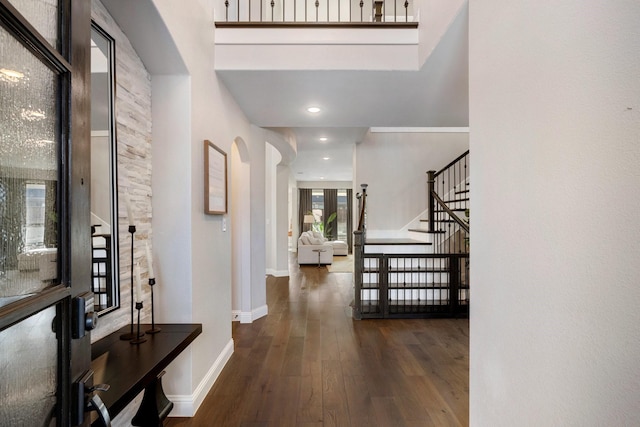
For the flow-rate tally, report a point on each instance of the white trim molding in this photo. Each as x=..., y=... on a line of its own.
x=420, y=130
x=187, y=405
x=249, y=317
x=277, y=273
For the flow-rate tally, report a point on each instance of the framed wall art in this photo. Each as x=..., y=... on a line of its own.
x=215, y=179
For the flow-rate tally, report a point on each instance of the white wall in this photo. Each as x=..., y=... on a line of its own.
x=213, y=115
x=193, y=250
x=555, y=126
x=395, y=166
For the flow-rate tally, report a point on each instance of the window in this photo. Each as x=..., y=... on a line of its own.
x=35, y=195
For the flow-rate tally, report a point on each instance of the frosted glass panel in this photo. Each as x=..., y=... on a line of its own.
x=28, y=172
x=43, y=15
x=28, y=367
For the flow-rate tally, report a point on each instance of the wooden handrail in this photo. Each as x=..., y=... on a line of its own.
x=452, y=214
x=457, y=159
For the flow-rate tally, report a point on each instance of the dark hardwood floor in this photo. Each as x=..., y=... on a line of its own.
x=309, y=364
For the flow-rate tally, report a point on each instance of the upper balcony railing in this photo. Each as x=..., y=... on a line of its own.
x=318, y=13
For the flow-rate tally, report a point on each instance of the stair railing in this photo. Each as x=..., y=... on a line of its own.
x=449, y=206
x=332, y=12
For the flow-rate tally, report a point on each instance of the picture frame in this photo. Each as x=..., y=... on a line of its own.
x=215, y=180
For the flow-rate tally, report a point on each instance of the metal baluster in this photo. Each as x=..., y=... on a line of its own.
x=406, y=11
x=395, y=10
x=283, y=9
x=273, y=3
x=238, y=11
x=361, y=5
x=317, y=4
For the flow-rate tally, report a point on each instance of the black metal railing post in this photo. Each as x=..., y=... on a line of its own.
x=431, y=185
x=358, y=268
x=454, y=279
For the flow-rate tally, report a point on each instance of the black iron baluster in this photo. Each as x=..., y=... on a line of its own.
x=317, y=4
x=361, y=5
x=406, y=11
x=226, y=6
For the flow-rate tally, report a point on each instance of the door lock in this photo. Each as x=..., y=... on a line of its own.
x=84, y=316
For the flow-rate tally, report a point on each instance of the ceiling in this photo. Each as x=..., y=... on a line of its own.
x=352, y=101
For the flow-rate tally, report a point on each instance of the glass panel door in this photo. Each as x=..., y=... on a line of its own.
x=38, y=357
x=28, y=171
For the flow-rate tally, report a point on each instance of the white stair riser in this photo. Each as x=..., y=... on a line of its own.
x=412, y=295
x=408, y=278
x=398, y=249
x=408, y=262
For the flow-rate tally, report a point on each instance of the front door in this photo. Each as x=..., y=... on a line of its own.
x=44, y=214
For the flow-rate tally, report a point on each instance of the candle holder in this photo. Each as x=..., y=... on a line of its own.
x=130, y=335
x=153, y=330
x=139, y=337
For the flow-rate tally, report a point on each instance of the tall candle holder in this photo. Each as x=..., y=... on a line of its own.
x=153, y=330
x=139, y=337
x=131, y=335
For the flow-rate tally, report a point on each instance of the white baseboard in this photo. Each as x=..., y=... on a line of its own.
x=187, y=405
x=249, y=317
x=277, y=273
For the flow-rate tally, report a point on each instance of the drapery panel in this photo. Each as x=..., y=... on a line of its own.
x=330, y=207
x=304, y=207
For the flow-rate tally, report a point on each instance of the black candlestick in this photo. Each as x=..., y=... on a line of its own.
x=139, y=339
x=131, y=335
x=153, y=330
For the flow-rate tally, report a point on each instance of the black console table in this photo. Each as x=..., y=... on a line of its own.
x=130, y=369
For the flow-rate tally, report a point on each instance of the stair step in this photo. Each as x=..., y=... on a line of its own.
x=423, y=230
x=395, y=242
x=453, y=209
x=466, y=199
x=439, y=220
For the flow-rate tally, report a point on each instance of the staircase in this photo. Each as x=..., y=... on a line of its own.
x=427, y=274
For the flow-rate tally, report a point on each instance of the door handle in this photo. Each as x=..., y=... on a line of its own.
x=86, y=400
x=96, y=404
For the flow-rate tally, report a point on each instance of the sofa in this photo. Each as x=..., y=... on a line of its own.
x=312, y=243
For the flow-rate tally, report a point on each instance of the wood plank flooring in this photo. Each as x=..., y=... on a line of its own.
x=309, y=364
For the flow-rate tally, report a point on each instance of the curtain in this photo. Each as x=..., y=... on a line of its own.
x=50, y=220
x=349, y=218
x=330, y=207
x=304, y=207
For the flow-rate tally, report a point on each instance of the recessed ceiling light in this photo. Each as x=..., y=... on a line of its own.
x=323, y=138
x=322, y=177
x=313, y=109
x=326, y=158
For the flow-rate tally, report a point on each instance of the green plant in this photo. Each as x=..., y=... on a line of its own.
x=319, y=226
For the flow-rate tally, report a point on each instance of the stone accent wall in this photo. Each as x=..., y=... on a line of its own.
x=133, y=135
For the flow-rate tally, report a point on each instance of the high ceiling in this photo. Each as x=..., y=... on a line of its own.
x=353, y=101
